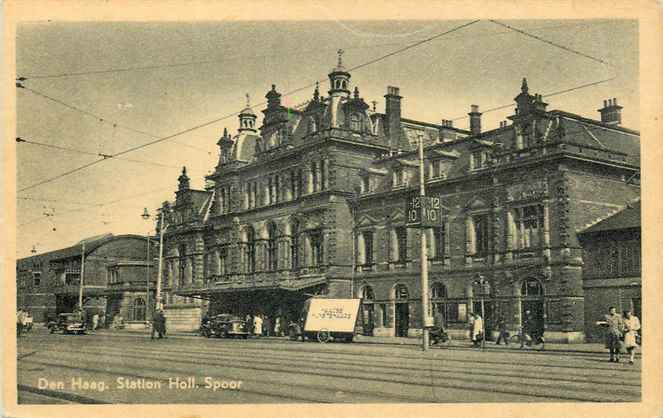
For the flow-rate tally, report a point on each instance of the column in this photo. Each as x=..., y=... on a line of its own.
x=265, y=193
x=287, y=186
x=510, y=230
x=309, y=180
x=470, y=248
x=325, y=174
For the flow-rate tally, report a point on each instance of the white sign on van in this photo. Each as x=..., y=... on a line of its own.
x=336, y=315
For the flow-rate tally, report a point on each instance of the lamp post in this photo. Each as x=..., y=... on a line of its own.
x=146, y=216
x=484, y=288
x=81, y=282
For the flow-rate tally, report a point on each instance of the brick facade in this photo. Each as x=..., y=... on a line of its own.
x=291, y=209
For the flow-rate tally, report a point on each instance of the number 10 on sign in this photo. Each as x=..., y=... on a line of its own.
x=425, y=211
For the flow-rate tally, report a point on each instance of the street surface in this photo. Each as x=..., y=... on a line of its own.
x=55, y=368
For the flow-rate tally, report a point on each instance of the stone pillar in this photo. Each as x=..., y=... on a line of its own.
x=510, y=230
x=308, y=174
x=188, y=272
x=176, y=277
x=325, y=174
x=265, y=193
x=245, y=200
x=393, y=245
x=288, y=193
x=470, y=247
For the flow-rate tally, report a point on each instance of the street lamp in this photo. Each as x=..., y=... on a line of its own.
x=484, y=287
x=146, y=216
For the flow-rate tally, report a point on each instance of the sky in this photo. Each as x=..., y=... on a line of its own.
x=221, y=62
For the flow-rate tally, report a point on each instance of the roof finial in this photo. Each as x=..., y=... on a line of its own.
x=356, y=92
x=524, y=87
x=184, y=171
x=248, y=100
x=316, y=92
x=225, y=132
x=340, y=53
x=375, y=103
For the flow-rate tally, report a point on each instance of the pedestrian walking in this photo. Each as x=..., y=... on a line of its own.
x=257, y=325
x=631, y=329
x=158, y=324
x=438, y=334
x=614, y=324
x=249, y=324
x=27, y=321
x=504, y=333
x=477, y=329
x=95, y=321
x=19, y=322
x=277, y=326
x=267, y=326
x=528, y=330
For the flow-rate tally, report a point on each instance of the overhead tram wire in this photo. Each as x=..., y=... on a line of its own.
x=211, y=122
x=99, y=118
x=556, y=45
x=96, y=154
x=240, y=57
x=554, y=93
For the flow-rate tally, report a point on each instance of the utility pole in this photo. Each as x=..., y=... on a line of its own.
x=82, y=279
x=162, y=229
x=146, y=216
x=424, y=253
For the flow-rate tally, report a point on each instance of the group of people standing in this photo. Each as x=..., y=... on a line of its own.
x=622, y=333
x=263, y=325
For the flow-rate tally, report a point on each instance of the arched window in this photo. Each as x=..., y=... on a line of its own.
x=139, y=309
x=294, y=245
x=438, y=291
x=250, y=250
x=367, y=294
x=532, y=288
x=401, y=293
x=272, y=247
x=317, y=248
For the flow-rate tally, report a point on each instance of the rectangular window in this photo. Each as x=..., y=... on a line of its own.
x=397, y=177
x=530, y=226
x=452, y=312
x=481, y=234
x=401, y=236
x=36, y=279
x=316, y=248
x=439, y=235
x=477, y=160
x=314, y=174
x=630, y=257
x=365, y=184
x=368, y=246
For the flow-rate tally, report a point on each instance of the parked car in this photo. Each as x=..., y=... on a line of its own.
x=67, y=323
x=224, y=325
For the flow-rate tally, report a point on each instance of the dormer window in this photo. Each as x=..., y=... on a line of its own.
x=398, y=178
x=355, y=122
x=478, y=160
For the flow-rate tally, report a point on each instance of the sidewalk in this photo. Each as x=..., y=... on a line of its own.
x=587, y=348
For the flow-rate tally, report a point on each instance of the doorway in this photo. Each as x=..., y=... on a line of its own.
x=368, y=319
x=402, y=319
x=532, y=293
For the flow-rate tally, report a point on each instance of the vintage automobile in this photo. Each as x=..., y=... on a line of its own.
x=67, y=323
x=326, y=320
x=224, y=326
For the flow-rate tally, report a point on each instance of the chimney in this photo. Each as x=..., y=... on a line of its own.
x=392, y=112
x=447, y=133
x=475, y=120
x=611, y=113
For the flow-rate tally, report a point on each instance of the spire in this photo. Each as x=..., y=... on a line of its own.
x=340, y=53
x=524, y=87
x=248, y=100
x=356, y=92
x=225, y=132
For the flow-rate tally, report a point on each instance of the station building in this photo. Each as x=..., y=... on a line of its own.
x=115, y=279
x=313, y=202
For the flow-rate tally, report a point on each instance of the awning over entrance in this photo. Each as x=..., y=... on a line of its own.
x=230, y=287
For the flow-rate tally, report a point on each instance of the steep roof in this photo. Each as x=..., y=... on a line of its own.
x=627, y=218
